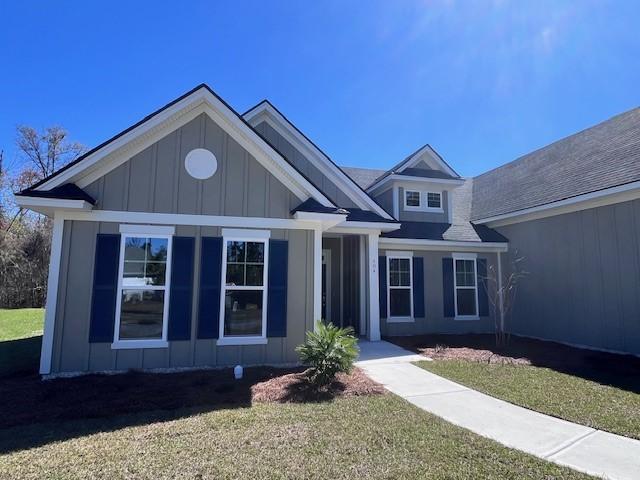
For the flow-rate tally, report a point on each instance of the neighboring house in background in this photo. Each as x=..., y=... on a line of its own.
x=201, y=237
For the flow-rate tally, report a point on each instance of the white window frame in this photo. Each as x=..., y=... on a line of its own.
x=241, y=235
x=413, y=207
x=465, y=256
x=144, y=231
x=393, y=255
x=423, y=199
x=426, y=202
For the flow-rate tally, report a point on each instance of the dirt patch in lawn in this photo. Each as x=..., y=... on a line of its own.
x=26, y=400
x=295, y=387
x=622, y=371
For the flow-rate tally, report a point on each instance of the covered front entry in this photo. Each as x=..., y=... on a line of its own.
x=343, y=281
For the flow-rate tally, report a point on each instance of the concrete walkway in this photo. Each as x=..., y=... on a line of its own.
x=582, y=448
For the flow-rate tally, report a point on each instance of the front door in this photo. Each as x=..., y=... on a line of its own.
x=326, y=285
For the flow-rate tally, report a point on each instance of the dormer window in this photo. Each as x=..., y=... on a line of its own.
x=434, y=200
x=412, y=199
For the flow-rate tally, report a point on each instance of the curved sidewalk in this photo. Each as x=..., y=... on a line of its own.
x=582, y=448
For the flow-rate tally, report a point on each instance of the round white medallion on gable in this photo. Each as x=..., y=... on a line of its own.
x=201, y=163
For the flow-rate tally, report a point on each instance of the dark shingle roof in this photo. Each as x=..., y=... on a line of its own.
x=353, y=214
x=68, y=191
x=363, y=176
x=603, y=156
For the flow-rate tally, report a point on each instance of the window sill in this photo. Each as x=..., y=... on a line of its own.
x=467, y=317
x=129, y=344
x=242, y=341
x=400, y=320
x=423, y=209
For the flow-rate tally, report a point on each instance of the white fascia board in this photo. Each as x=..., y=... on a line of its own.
x=326, y=220
x=364, y=227
x=608, y=196
x=201, y=101
x=264, y=111
x=188, y=219
x=419, y=244
x=48, y=205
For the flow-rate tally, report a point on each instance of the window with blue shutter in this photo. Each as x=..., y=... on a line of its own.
x=418, y=287
x=448, y=294
x=210, y=287
x=277, y=288
x=181, y=290
x=105, y=288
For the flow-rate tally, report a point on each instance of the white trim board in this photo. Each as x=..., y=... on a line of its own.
x=264, y=111
x=121, y=149
x=601, y=198
x=442, y=245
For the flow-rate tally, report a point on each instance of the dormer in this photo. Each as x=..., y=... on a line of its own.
x=418, y=188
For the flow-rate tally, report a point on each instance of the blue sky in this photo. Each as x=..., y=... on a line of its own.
x=481, y=81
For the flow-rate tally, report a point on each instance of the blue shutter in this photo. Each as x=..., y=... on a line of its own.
x=418, y=287
x=382, y=285
x=483, y=297
x=210, y=287
x=277, y=288
x=448, y=298
x=181, y=289
x=105, y=288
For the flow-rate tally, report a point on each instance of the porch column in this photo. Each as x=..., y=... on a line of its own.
x=52, y=294
x=317, y=277
x=374, y=288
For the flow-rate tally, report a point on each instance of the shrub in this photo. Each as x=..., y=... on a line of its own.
x=328, y=350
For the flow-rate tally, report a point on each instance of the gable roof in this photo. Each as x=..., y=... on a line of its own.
x=410, y=161
x=315, y=155
x=604, y=156
x=121, y=147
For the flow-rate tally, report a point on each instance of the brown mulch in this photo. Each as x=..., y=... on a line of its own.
x=27, y=399
x=295, y=387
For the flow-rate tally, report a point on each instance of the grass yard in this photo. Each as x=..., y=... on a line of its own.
x=379, y=436
x=20, y=340
x=548, y=391
x=20, y=323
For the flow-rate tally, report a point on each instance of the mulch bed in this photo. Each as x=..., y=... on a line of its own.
x=295, y=387
x=27, y=399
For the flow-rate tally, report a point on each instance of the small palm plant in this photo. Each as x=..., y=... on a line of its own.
x=328, y=350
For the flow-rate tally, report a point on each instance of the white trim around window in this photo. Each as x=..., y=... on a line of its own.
x=423, y=198
x=242, y=235
x=391, y=255
x=143, y=231
x=472, y=257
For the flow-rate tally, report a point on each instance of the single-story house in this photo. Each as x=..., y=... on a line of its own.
x=204, y=237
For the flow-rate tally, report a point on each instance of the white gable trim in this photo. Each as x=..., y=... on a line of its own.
x=432, y=158
x=123, y=148
x=266, y=112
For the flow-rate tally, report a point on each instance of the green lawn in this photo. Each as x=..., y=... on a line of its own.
x=357, y=437
x=20, y=340
x=20, y=323
x=548, y=391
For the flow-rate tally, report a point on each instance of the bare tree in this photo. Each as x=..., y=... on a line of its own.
x=502, y=289
x=48, y=150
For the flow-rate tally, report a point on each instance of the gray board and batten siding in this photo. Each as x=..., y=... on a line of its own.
x=582, y=280
x=155, y=181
